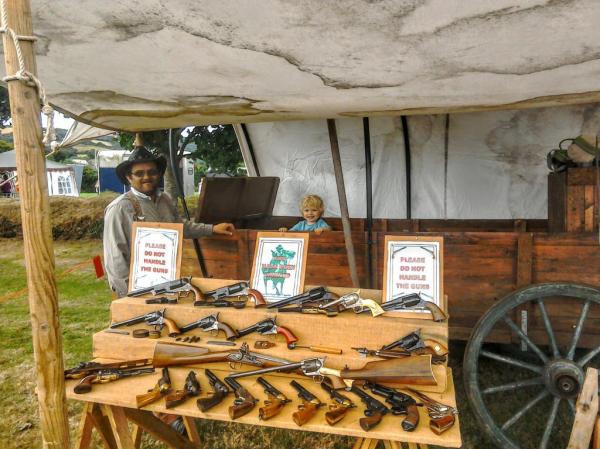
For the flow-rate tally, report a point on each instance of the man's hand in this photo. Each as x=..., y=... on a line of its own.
x=283, y=229
x=223, y=229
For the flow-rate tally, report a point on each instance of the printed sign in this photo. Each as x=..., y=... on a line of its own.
x=413, y=265
x=155, y=253
x=279, y=264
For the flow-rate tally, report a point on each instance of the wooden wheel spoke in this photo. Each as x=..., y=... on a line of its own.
x=514, y=385
x=525, y=409
x=510, y=323
x=514, y=362
x=549, y=330
x=589, y=356
x=578, y=328
x=550, y=424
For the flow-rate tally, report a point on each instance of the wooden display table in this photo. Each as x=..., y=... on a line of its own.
x=111, y=405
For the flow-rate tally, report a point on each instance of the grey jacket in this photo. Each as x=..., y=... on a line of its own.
x=119, y=216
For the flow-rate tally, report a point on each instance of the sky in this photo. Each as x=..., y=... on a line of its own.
x=60, y=121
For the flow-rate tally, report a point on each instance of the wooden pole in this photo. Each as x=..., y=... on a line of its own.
x=37, y=235
x=341, y=189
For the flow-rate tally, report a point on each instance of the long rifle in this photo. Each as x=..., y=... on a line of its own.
x=410, y=370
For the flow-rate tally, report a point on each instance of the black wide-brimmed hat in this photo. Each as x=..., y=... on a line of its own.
x=139, y=154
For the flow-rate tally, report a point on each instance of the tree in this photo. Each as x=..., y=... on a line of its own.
x=216, y=146
x=89, y=179
x=5, y=146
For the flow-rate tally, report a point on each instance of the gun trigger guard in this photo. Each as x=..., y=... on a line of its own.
x=359, y=309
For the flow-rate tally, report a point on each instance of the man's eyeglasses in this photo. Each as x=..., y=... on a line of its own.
x=142, y=173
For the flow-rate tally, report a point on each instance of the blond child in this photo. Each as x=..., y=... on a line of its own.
x=312, y=208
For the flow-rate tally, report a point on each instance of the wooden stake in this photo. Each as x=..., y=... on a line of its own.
x=37, y=235
x=341, y=189
x=586, y=412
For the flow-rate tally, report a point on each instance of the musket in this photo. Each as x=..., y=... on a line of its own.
x=356, y=303
x=414, y=301
x=220, y=390
x=308, y=408
x=243, y=403
x=182, y=287
x=211, y=323
x=190, y=389
x=411, y=370
x=106, y=375
x=314, y=294
x=156, y=319
x=401, y=404
x=396, y=354
x=339, y=407
x=234, y=290
x=442, y=416
x=162, y=388
x=266, y=327
x=275, y=402
x=172, y=354
x=87, y=368
x=374, y=411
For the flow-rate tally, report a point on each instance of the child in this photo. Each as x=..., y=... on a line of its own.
x=312, y=208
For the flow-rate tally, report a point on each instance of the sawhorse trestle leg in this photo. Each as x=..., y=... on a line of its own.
x=112, y=424
x=370, y=443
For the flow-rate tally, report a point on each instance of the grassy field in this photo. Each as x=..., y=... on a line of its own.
x=84, y=304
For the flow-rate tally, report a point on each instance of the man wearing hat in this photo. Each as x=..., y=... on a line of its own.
x=143, y=171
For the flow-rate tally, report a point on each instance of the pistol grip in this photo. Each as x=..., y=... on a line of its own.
x=236, y=411
x=205, y=404
x=257, y=297
x=411, y=421
x=174, y=399
x=304, y=413
x=287, y=334
x=148, y=398
x=436, y=347
x=335, y=415
x=369, y=422
x=374, y=307
x=270, y=409
x=85, y=384
x=437, y=314
x=198, y=295
x=172, y=327
x=439, y=426
x=230, y=333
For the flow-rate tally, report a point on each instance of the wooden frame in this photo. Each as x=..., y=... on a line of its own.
x=433, y=275
x=260, y=260
x=174, y=254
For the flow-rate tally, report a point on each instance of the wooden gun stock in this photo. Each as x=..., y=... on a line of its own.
x=305, y=412
x=271, y=408
x=409, y=370
x=257, y=298
x=437, y=314
x=335, y=414
x=411, y=421
x=230, y=333
x=172, y=327
x=85, y=384
x=439, y=426
x=169, y=354
x=205, y=404
x=369, y=422
x=243, y=404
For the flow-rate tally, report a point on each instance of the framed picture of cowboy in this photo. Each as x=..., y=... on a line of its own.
x=279, y=264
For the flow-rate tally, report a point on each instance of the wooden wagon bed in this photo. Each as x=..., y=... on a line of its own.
x=484, y=260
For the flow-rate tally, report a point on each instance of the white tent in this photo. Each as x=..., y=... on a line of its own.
x=61, y=178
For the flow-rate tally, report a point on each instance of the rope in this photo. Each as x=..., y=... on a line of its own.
x=27, y=77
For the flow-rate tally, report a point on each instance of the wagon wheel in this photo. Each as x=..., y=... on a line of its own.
x=551, y=374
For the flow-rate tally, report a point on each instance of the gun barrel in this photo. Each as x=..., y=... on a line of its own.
x=196, y=324
x=129, y=322
x=303, y=392
x=311, y=295
x=272, y=369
